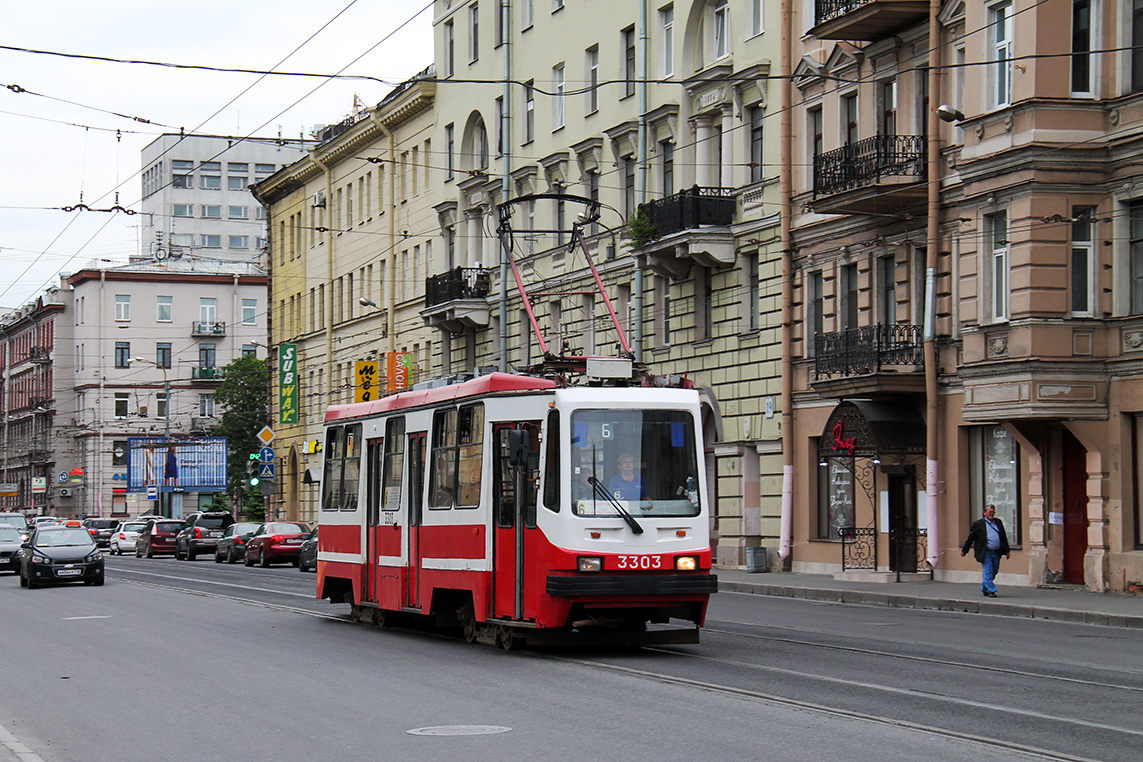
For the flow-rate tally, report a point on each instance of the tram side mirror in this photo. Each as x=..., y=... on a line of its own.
x=517, y=447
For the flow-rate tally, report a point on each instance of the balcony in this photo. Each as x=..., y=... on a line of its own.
x=878, y=175
x=690, y=227
x=843, y=358
x=207, y=373
x=456, y=300
x=865, y=19
x=205, y=328
x=39, y=355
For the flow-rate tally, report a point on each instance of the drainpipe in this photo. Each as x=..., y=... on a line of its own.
x=785, y=186
x=641, y=179
x=102, y=402
x=505, y=179
x=932, y=237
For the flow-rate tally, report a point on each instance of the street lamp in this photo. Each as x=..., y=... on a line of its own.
x=165, y=503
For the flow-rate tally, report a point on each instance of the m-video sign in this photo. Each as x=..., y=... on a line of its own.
x=195, y=464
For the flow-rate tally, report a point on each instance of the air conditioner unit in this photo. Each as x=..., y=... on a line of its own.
x=317, y=201
x=65, y=492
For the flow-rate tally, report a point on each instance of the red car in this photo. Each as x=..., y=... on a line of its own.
x=158, y=537
x=275, y=542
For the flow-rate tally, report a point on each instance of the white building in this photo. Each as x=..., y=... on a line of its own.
x=184, y=318
x=196, y=197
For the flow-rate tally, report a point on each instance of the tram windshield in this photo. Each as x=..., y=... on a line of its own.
x=640, y=461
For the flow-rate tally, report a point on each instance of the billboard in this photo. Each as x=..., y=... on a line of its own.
x=176, y=465
x=365, y=385
x=287, y=383
x=398, y=368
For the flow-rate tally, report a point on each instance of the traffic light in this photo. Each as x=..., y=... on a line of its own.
x=252, y=472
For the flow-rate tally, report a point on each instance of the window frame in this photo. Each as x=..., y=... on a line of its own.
x=997, y=254
x=1000, y=52
x=122, y=308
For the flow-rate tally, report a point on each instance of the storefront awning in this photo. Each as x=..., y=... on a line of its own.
x=312, y=475
x=864, y=429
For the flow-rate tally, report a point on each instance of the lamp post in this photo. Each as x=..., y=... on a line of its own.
x=164, y=502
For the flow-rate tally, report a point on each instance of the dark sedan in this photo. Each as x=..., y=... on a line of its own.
x=307, y=556
x=60, y=554
x=101, y=530
x=231, y=546
x=276, y=542
x=158, y=537
x=10, y=541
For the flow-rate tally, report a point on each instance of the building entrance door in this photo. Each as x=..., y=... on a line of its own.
x=1075, y=507
x=902, y=496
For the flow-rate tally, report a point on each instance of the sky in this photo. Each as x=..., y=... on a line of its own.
x=75, y=136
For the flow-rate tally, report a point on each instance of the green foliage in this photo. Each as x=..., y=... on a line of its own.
x=244, y=398
x=640, y=229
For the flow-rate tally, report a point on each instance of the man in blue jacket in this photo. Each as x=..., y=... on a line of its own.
x=988, y=541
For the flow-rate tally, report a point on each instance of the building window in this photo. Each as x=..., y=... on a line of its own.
x=527, y=14
x=1137, y=46
x=887, y=277
x=664, y=293
x=240, y=167
x=249, y=350
x=480, y=139
x=450, y=147
x=164, y=306
x=529, y=111
x=557, y=5
x=996, y=228
x=449, y=49
x=122, y=306
x=888, y=125
x=122, y=404
x=1083, y=261
x=212, y=241
x=119, y=452
x=848, y=310
x=473, y=32
x=237, y=182
x=815, y=308
x=264, y=168
x=249, y=311
x=206, y=405
x=756, y=164
x=849, y=115
x=184, y=210
x=210, y=212
x=667, y=21
x=182, y=239
x=208, y=310
x=1136, y=255
x=629, y=61
x=757, y=21
x=238, y=242
x=558, y=102
x=752, y=290
x=161, y=405
x=704, y=304
x=238, y=212
x=591, y=63
x=1000, y=39
x=627, y=164
x=206, y=355
x=210, y=182
x=994, y=475
x=814, y=138
x=835, y=495
x=163, y=354
x=122, y=354
x=501, y=32
x=667, y=167
x=1081, y=47
x=721, y=29
x=182, y=181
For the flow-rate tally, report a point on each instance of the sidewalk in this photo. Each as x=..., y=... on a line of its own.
x=1058, y=604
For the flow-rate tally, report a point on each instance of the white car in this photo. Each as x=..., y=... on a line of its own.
x=124, y=536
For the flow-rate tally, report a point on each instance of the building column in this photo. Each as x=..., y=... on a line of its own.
x=473, y=238
x=1095, y=561
x=726, y=171
x=704, y=151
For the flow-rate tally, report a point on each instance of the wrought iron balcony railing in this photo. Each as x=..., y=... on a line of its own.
x=208, y=328
x=691, y=208
x=827, y=10
x=459, y=283
x=868, y=349
x=865, y=162
x=208, y=373
x=38, y=354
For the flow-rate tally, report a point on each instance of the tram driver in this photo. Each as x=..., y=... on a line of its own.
x=627, y=485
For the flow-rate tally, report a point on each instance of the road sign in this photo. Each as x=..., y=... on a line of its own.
x=152, y=492
x=266, y=454
x=266, y=435
x=62, y=477
x=39, y=484
x=8, y=489
x=266, y=471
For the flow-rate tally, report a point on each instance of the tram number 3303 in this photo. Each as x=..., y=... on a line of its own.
x=639, y=562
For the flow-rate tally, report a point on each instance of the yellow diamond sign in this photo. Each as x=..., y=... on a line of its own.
x=266, y=435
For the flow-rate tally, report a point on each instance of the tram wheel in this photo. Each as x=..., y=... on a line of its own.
x=357, y=613
x=511, y=639
x=382, y=618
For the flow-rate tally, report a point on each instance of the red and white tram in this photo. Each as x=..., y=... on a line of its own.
x=521, y=510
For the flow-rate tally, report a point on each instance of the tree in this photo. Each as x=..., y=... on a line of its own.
x=244, y=398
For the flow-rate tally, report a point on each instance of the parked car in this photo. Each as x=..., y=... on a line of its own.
x=10, y=540
x=276, y=542
x=123, y=537
x=201, y=533
x=232, y=545
x=18, y=520
x=100, y=530
x=60, y=554
x=157, y=537
x=307, y=555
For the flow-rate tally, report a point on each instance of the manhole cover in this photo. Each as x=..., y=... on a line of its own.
x=458, y=730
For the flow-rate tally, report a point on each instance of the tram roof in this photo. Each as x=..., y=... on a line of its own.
x=493, y=383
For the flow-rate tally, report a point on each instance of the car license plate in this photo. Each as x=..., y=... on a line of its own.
x=216, y=534
x=69, y=572
x=293, y=542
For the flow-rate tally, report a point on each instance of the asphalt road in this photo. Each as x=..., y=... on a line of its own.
x=192, y=661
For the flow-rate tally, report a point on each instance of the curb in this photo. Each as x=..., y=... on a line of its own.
x=902, y=601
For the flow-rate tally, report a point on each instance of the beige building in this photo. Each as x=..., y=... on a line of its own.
x=966, y=312
x=352, y=241
x=625, y=104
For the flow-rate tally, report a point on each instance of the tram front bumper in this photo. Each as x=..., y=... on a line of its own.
x=597, y=585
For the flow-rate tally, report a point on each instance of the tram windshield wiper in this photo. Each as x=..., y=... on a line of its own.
x=601, y=490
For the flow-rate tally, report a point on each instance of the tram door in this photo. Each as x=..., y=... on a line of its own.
x=373, y=454
x=515, y=479
x=416, y=493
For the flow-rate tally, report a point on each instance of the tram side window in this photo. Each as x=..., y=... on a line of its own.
x=470, y=455
x=552, y=464
x=442, y=477
x=342, y=468
x=394, y=464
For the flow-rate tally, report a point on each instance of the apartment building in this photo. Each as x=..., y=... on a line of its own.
x=966, y=315
x=354, y=237
x=196, y=194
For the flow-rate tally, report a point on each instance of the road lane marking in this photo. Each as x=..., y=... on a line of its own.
x=77, y=618
x=22, y=752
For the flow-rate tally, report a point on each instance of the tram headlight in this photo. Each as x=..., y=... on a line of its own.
x=590, y=564
x=686, y=563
